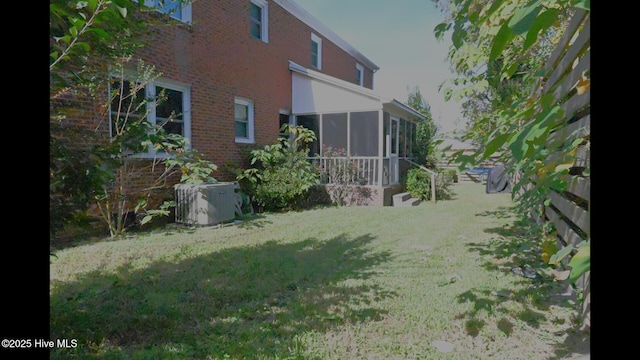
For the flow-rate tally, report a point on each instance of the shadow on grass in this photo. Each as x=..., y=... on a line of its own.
x=511, y=252
x=243, y=302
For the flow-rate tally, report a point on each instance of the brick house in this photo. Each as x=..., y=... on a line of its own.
x=236, y=70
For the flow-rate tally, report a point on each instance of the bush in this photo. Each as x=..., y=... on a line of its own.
x=281, y=175
x=418, y=184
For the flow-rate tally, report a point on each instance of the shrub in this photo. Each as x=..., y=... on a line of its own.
x=281, y=174
x=418, y=184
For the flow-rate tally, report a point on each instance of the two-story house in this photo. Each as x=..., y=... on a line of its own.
x=236, y=70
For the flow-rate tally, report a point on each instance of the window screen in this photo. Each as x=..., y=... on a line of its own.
x=364, y=133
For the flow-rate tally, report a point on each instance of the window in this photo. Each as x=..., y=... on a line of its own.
x=259, y=20
x=359, y=74
x=311, y=122
x=316, y=51
x=284, y=119
x=171, y=110
x=244, y=120
x=173, y=8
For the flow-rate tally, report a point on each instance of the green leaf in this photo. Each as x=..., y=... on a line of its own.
x=84, y=46
x=580, y=262
x=494, y=6
x=146, y=219
x=459, y=35
x=522, y=20
x=100, y=32
x=495, y=144
x=582, y=4
x=121, y=10
x=542, y=22
x=500, y=41
x=561, y=254
x=440, y=29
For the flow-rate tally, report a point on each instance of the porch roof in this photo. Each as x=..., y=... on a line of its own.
x=315, y=92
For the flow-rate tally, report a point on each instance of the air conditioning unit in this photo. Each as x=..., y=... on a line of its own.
x=205, y=204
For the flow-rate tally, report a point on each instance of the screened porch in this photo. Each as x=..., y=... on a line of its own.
x=365, y=146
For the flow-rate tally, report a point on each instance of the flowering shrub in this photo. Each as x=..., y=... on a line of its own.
x=342, y=177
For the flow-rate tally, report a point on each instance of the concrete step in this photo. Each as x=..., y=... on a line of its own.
x=409, y=202
x=401, y=197
x=405, y=199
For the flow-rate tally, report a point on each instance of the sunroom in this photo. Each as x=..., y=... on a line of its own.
x=355, y=126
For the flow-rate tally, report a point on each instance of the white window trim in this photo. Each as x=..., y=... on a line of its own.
x=318, y=40
x=186, y=10
x=360, y=69
x=150, y=90
x=250, y=121
x=264, y=36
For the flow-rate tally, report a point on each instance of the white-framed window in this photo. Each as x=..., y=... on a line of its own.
x=243, y=109
x=316, y=51
x=259, y=20
x=173, y=8
x=359, y=74
x=133, y=101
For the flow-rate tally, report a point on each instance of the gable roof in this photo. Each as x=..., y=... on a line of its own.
x=304, y=16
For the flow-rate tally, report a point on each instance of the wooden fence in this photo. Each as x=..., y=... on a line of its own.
x=569, y=210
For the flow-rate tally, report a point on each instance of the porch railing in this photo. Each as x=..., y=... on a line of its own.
x=354, y=170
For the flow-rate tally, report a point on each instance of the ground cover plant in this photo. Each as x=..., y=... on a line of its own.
x=456, y=279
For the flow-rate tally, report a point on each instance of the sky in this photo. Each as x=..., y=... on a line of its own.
x=396, y=35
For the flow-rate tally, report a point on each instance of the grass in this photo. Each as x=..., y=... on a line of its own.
x=433, y=281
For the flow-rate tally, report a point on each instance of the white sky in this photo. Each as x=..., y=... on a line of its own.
x=397, y=35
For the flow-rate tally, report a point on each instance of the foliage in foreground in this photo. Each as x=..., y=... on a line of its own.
x=91, y=41
x=499, y=51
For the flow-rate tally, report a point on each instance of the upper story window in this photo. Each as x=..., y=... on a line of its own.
x=316, y=51
x=359, y=74
x=133, y=102
x=244, y=120
x=174, y=8
x=259, y=20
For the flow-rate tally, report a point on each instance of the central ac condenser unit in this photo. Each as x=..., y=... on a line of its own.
x=205, y=204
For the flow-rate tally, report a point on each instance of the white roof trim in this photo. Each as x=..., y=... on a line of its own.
x=304, y=16
x=408, y=109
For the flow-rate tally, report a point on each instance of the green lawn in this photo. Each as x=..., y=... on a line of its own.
x=434, y=281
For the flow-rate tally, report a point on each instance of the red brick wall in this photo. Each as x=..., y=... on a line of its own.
x=220, y=60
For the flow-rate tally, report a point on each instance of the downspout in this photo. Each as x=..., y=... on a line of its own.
x=433, y=178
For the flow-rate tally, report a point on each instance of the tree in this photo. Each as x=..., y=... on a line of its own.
x=425, y=148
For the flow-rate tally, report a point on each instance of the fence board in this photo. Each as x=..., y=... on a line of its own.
x=576, y=102
x=576, y=214
x=569, y=80
x=578, y=129
x=580, y=187
x=561, y=49
x=565, y=232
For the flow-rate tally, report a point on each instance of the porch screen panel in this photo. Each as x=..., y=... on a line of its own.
x=413, y=138
x=386, y=119
x=311, y=122
x=364, y=133
x=402, y=138
x=334, y=131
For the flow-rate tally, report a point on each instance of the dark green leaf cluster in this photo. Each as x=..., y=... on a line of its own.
x=281, y=175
